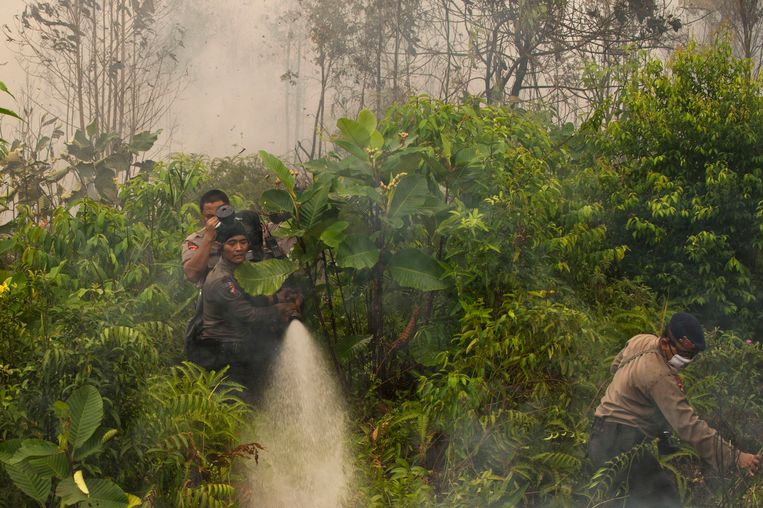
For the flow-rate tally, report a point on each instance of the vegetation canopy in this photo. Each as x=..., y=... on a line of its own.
x=469, y=268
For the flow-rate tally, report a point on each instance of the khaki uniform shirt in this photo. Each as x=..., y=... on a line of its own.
x=191, y=244
x=645, y=393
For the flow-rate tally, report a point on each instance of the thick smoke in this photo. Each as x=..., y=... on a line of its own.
x=232, y=96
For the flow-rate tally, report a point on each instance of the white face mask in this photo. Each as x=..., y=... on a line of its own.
x=679, y=362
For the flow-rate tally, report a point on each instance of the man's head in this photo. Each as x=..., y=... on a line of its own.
x=235, y=243
x=210, y=201
x=682, y=337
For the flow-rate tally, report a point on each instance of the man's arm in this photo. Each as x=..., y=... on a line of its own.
x=245, y=310
x=196, y=260
x=706, y=441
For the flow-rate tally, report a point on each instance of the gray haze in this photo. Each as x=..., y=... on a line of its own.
x=233, y=97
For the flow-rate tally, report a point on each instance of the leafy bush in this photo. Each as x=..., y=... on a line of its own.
x=687, y=147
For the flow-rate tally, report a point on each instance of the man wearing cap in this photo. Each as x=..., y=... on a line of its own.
x=644, y=399
x=239, y=330
x=200, y=250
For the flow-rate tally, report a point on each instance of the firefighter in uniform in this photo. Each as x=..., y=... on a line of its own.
x=239, y=330
x=644, y=400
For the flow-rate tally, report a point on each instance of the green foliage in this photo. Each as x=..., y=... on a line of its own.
x=189, y=433
x=688, y=181
x=472, y=268
x=33, y=463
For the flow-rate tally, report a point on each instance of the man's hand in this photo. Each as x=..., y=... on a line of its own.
x=749, y=462
x=287, y=311
x=289, y=295
x=210, y=228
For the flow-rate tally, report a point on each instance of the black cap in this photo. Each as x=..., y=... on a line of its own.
x=683, y=324
x=229, y=229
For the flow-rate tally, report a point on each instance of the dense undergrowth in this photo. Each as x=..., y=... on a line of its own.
x=472, y=271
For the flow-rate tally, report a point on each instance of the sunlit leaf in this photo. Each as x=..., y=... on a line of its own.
x=354, y=132
x=103, y=494
x=367, y=120
x=265, y=277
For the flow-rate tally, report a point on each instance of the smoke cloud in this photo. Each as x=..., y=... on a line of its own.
x=232, y=96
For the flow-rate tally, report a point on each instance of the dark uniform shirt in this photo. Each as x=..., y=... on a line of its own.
x=239, y=331
x=232, y=315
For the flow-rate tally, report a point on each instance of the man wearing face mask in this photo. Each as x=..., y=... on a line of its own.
x=644, y=400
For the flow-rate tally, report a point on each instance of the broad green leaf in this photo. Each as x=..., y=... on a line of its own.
x=406, y=161
x=103, y=493
x=354, y=132
x=264, y=277
x=36, y=448
x=313, y=204
x=103, y=141
x=85, y=170
x=415, y=269
x=466, y=157
x=353, y=150
x=353, y=187
x=367, y=120
x=8, y=449
x=80, y=147
x=409, y=195
x=69, y=492
x=7, y=244
x=377, y=140
x=30, y=483
x=143, y=141
x=89, y=447
x=357, y=252
x=277, y=200
x=334, y=234
x=56, y=465
x=279, y=169
x=119, y=162
x=86, y=413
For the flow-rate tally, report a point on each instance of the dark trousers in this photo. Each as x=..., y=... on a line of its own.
x=249, y=363
x=646, y=483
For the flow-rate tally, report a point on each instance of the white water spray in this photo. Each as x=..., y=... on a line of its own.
x=303, y=426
